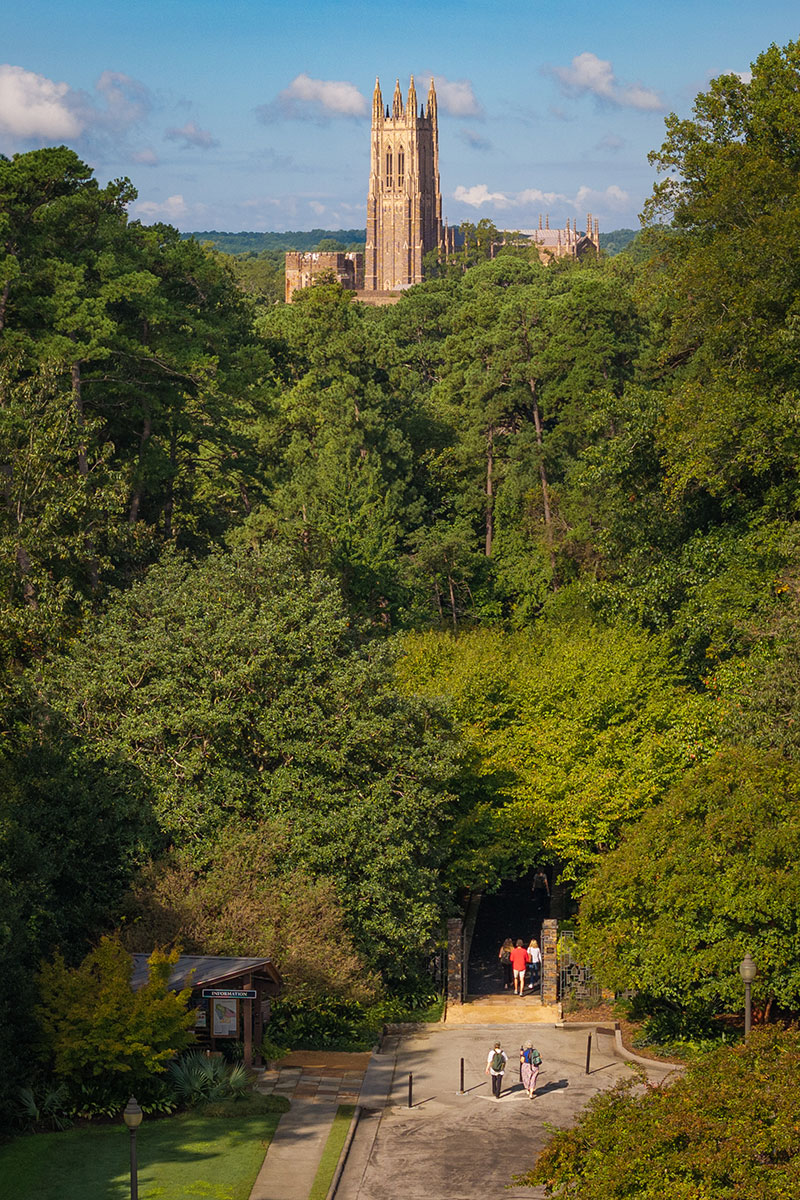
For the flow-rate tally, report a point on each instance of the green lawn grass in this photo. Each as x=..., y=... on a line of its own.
x=186, y=1157
x=330, y=1155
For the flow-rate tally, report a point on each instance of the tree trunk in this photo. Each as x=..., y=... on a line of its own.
x=452, y=601
x=83, y=466
x=489, y=491
x=136, y=499
x=438, y=596
x=169, y=506
x=4, y=304
x=77, y=400
x=24, y=564
x=537, y=421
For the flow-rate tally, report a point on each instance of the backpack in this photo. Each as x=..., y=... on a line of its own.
x=497, y=1061
x=536, y=1058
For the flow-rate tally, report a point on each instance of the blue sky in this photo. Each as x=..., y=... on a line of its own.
x=255, y=115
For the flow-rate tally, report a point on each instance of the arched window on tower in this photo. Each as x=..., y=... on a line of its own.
x=389, y=172
x=401, y=167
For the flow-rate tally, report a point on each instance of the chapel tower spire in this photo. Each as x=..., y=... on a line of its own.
x=404, y=204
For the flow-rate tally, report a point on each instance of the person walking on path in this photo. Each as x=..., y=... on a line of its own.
x=505, y=962
x=495, y=1066
x=530, y=1061
x=534, y=962
x=541, y=889
x=519, y=964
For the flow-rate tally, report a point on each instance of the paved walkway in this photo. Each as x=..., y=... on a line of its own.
x=447, y=1146
x=294, y=1154
x=455, y=1147
x=316, y=1084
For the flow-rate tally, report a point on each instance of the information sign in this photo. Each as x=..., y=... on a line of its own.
x=229, y=993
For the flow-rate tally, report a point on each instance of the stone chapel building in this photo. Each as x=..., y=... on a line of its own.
x=404, y=202
x=404, y=210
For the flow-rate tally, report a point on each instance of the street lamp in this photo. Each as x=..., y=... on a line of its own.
x=132, y=1116
x=747, y=970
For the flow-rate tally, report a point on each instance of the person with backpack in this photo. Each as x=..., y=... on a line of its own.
x=530, y=1061
x=495, y=1066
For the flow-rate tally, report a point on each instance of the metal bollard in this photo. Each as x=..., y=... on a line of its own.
x=410, y=1090
x=461, y=1087
x=588, y=1052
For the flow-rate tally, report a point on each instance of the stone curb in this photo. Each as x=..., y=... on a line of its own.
x=621, y=1049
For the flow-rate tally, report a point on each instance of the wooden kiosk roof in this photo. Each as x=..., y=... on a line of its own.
x=208, y=971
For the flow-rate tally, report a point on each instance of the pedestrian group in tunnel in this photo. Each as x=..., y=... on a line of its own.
x=519, y=964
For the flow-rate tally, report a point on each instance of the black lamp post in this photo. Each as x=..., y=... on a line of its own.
x=132, y=1116
x=747, y=970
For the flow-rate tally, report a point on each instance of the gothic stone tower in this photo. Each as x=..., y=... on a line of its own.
x=404, y=206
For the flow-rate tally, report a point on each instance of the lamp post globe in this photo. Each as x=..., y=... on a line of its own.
x=748, y=972
x=132, y=1116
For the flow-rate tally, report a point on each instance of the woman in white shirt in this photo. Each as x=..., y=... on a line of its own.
x=534, y=962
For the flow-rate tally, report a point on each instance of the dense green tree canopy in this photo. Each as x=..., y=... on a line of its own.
x=242, y=692
x=727, y=1131
x=570, y=490
x=708, y=874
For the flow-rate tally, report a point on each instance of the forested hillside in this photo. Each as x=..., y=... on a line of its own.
x=364, y=608
x=257, y=243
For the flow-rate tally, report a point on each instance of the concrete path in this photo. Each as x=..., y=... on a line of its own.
x=315, y=1083
x=294, y=1153
x=452, y=1147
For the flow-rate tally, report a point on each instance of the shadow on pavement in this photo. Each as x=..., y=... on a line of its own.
x=555, y=1086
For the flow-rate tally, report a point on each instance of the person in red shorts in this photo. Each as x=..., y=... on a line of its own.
x=519, y=964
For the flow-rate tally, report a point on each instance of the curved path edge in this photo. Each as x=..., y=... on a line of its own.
x=621, y=1049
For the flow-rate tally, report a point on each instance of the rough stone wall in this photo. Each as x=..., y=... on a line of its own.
x=455, y=961
x=549, y=949
x=303, y=269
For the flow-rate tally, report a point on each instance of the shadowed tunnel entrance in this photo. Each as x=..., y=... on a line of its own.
x=515, y=912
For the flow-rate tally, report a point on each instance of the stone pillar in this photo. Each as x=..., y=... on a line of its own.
x=455, y=960
x=550, y=961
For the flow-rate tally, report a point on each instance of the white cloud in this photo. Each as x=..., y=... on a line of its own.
x=456, y=97
x=588, y=73
x=146, y=156
x=479, y=195
x=126, y=101
x=474, y=140
x=316, y=207
x=537, y=196
x=191, y=135
x=34, y=107
x=172, y=209
x=610, y=142
x=613, y=198
x=306, y=98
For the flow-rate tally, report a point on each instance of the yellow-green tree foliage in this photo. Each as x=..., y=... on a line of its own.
x=577, y=730
x=93, y=1024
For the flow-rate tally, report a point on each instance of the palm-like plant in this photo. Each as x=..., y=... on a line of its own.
x=198, y=1079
